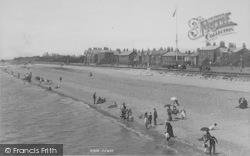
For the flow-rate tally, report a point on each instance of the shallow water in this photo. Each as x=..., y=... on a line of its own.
x=30, y=114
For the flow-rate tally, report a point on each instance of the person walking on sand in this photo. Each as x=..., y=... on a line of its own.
x=146, y=120
x=60, y=79
x=155, y=117
x=169, y=129
x=150, y=119
x=169, y=112
x=94, y=97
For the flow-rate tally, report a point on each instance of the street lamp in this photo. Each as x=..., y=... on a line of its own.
x=241, y=63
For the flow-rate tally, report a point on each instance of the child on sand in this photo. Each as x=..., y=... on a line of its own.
x=167, y=137
x=183, y=113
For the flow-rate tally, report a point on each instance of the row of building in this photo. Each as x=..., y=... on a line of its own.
x=214, y=53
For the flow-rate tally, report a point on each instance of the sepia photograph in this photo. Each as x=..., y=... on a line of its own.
x=125, y=77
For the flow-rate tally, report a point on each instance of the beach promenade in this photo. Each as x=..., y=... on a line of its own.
x=206, y=101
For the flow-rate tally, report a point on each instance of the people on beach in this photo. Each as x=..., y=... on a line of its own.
x=123, y=111
x=155, y=117
x=150, y=119
x=101, y=100
x=169, y=128
x=94, y=97
x=169, y=113
x=242, y=103
x=129, y=115
x=183, y=113
x=60, y=79
x=146, y=120
x=49, y=88
x=208, y=142
x=167, y=137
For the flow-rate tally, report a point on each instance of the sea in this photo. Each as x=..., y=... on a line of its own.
x=33, y=115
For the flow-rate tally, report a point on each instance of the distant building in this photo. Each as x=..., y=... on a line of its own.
x=170, y=58
x=156, y=57
x=91, y=55
x=236, y=54
x=211, y=52
x=194, y=58
x=127, y=57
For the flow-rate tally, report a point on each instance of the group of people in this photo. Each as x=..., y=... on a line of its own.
x=149, y=117
x=208, y=142
x=126, y=113
x=175, y=111
x=27, y=77
x=99, y=100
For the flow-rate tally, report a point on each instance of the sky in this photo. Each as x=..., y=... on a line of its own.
x=68, y=27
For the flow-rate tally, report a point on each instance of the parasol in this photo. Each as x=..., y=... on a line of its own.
x=167, y=105
x=173, y=98
x=204, y=129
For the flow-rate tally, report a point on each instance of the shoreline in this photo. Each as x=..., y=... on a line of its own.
x=103, y=107
x=135, y=126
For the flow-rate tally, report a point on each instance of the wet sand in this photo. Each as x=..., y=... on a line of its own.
x=206, y=101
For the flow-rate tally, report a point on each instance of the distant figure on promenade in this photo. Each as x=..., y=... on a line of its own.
x=90, y=74
x=146, y=120
x=94, y=97
x=155, y=117
x=18, y=75
x=60, y=79
x=150, y=119
x=169, y=128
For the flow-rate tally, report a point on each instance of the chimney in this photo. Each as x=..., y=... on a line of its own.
x=222, y=44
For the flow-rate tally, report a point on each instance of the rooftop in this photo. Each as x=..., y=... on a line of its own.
x=211, y=47
x=173, y=53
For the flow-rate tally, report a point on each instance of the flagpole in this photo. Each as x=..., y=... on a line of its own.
x=176, y=33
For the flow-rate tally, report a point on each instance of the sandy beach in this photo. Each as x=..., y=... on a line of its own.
x=206, y=101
